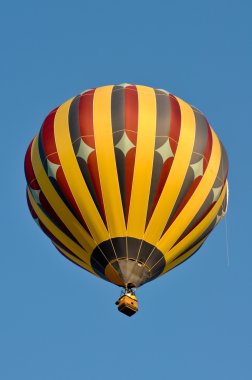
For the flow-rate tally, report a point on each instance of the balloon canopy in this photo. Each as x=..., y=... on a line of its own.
x=127, y=181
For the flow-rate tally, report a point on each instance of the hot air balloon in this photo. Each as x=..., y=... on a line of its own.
x=127, y=181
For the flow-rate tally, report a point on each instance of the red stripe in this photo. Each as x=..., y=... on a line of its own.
x=65, y=189
x=68, y=258
x=51, y=236
x=195, y=183
x=188, y=195
x=131, y=113
x=174, y=131
x=162, y=180
x=86, y=118
x=87, y=133
x=131, y=128
x=29, y=172
x=48, y=210
x=94, y=174
x=196, y=223
x=50, y=150
x=48, y=139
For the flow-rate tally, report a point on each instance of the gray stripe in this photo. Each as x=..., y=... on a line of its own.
x=206, y=205
x=200, y=137
x=156, y=172
x=199, y=148
x=86, y=175
x=162, y=134
x=163, y=118
x=117, y=113
x=219, y=181
x=223, y=169
x=74, y=129
x=118, y=128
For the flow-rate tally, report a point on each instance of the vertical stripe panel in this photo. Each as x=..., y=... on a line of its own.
x=184, y=244
x=73, y=259
x=74, y=176
x=68, y=243
x=118, y=124
x=87, y=135
x=56, y=202
x=107, y=163
x=195, y=202
x=184, y=257
x=143, y=162
x=192, y=179
x=162, y=136
x=176, y=176
x=131, y=127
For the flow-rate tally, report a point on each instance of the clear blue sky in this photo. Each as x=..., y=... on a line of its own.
x=56, y=321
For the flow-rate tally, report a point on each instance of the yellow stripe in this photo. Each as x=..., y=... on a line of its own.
x=196, y=201
x=74, y=176
x=74, y=259
x=106, y=162
x=180, y=260
x=188, y=240
x=176, y=176
x=143, y=162
x=57, y=204
x=61, y=236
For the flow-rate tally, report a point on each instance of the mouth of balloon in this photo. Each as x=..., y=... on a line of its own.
x=127, y=261
x=127, y=272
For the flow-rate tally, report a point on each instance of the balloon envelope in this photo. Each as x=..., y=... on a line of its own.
x=127, y=181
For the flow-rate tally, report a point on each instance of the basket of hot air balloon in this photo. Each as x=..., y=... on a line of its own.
x=127, y=181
